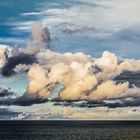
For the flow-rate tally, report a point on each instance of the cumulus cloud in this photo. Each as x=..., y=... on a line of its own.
x=109, y=90
x=130, y=65
x=76, y=80
x=82, y=77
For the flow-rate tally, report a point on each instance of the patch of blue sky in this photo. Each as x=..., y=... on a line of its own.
x=17, y=83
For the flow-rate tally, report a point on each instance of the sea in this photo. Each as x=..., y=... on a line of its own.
x=70, y=130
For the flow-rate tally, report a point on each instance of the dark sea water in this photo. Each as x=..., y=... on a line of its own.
x=70, y=130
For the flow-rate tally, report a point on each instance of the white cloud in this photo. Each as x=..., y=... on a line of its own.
x=106, y=17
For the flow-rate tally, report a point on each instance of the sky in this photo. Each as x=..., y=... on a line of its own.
x=71, y=59
x=101, y=24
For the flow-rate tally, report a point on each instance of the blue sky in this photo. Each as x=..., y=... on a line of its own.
x=91, y=26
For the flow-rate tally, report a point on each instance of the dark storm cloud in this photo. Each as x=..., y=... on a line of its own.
x=132, y=77
x=24, y=100
x=21, y=101
x=27, y=100
x=100, y=103
x=13, y=61
x=5, y=92
x=115, y=103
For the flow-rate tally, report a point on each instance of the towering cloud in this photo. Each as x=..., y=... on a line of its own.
x=40, y=40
